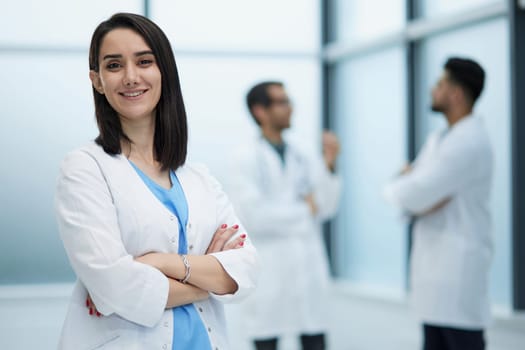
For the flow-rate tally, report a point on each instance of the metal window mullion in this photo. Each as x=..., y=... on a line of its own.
x=411, y=87
x=147, y=8
x=415, y=30
x=327, y=118
x=421, y=28
x=517, y=80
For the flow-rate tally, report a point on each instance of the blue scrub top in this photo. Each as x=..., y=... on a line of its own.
x=189, y=332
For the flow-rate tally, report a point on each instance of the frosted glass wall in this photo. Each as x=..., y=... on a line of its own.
x=358, y=21
x=270, y=26
x=371, y=121
x=370, y=114
x=433, y=8
x=36, y=24
x=47, y=110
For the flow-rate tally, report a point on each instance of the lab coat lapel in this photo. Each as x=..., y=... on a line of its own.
x=186, y=184
x=270, y=159
x=136, y=185
x=201, y=211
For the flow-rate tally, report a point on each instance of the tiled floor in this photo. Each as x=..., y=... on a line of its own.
x=31, y=317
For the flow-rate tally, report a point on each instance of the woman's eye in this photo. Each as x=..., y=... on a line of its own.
x=113, y=65
x=145, y=62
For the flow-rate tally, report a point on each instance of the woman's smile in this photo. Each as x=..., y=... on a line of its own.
x=133, y=95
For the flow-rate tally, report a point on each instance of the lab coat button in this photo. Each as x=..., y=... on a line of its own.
x=188, y=226
x=209, y=329
x=190, y=247
x=172, y=240
x=200, y=309
x=164, y=346
x=172, y=217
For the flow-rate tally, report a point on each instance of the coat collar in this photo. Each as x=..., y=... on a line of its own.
x=124, y=172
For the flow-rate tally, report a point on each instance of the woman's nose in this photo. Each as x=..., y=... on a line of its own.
x=130, y=76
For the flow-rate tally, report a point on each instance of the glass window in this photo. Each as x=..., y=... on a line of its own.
x=57, y=22
x=431, y=8
x=370, y=106
x=50, y=113
x=247, y=26
x=353, y=19
x=487, y=43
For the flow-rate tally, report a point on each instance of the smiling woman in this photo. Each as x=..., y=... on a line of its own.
x=155, y=243
x=129, y=77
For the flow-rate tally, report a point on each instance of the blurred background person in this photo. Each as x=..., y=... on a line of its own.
x=447, y=190
x=283, y=198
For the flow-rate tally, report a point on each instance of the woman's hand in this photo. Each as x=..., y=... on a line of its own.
x=219, y=241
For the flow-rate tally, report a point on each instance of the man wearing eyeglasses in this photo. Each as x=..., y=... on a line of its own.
x=283, y=197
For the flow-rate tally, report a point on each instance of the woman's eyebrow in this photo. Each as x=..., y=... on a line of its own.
x=140, y=53
x=111, y=56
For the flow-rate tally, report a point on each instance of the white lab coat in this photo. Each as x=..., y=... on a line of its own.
x=452, y=248
x=107, y=216
x=290, y=297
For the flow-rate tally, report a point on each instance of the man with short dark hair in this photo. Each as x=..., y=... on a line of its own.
x=283, y=197
x=447, y=191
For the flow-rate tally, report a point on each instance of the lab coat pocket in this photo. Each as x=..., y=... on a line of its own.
x=87, y=332
x=104, y=342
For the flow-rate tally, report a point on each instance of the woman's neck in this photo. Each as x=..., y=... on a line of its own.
x=141, y=145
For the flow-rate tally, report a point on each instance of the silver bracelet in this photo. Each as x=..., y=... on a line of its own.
x=188, y=269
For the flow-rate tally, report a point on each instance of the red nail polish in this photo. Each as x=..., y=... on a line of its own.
x=90, y=311
x=241, y=244
x=224, y=226
x=243, y=235
x=87, y=302
x=235, y=226
x=99, y=314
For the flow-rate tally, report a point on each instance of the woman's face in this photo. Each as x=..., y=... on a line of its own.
x=128, y=76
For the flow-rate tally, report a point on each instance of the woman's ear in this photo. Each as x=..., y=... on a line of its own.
x=95, y=80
